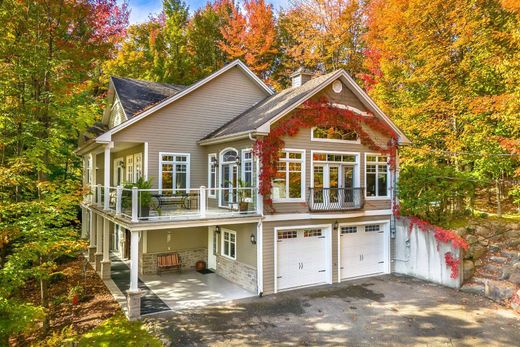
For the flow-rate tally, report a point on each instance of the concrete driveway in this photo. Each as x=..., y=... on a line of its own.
x=387, y=310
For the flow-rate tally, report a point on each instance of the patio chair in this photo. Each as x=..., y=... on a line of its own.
x=169, y=261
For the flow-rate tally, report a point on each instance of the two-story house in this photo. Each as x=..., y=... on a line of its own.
x=172, y=169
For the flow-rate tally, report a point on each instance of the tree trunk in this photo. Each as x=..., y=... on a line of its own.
x=44, y=296
x=498, y=197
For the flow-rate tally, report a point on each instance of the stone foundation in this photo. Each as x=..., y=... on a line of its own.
x=148, y=261
x=105, y=270
x=99, y=258
x=242, y=274
x=92, y=254
x=133, y=301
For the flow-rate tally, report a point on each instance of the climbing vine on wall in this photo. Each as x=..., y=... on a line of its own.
x=324, y=114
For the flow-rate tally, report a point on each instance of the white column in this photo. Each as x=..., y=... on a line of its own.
x=106, y=171
x=259, y=258
x=106, y=240
x=119, y=196
x=91, y=227
x=202, y=202
x=135, y=206
x=99, y=235
x=134, y=260
x=145, y=161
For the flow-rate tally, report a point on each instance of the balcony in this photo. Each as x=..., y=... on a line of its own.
x=335, y=199
x=153, y=205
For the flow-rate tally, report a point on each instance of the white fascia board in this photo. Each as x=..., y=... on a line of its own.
x=232, y=137
x=236, y=63
x=318, y=216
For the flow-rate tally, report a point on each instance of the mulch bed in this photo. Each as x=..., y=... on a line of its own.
x=96, y=305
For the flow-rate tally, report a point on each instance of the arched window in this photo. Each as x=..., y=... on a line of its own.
x=229, y=156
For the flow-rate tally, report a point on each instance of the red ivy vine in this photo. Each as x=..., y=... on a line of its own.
x=318, y=113
x=453, y=263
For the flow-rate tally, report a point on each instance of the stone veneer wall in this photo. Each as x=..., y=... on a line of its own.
x=242, y=274
x=148, y=261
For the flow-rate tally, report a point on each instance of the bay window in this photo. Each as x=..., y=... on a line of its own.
x=288, y=183
x=174, y=171
x=376, y=175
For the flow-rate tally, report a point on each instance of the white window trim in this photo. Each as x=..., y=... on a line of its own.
x=221, y=162
x=117, y=160
x=243, y=166
x=214, y=194
x=357, y=164
x=388, y=179
x=188, y=169
x=358, y=141
x=303, y=162
x=222, y=243
x=89, y=168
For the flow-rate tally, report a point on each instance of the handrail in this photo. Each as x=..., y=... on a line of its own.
x=335, y=199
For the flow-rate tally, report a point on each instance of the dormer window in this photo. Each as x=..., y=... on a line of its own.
x=334, y=134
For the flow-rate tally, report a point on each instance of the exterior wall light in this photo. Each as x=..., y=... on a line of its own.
x=335, y=226
x=217, y=229
x=253, y=239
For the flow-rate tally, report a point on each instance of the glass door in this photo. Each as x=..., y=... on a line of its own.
x=319, y=180
x=333, y=184
x=348, y=183
x=229, y=183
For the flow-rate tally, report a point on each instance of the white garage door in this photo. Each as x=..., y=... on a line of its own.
x=301, y=257
x=362, y=250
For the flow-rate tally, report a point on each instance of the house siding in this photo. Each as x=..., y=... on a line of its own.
x=302, y=140
x=269, y=242
x=177, y=127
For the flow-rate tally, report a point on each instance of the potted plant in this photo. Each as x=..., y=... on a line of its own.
x=145, y=197
x=245, y=196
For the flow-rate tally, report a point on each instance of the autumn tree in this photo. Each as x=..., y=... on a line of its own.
x=448, y=73
x=250, y=35
x=322, y=36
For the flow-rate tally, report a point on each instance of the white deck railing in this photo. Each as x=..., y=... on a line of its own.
x=176, y=204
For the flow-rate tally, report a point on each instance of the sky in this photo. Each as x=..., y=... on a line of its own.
x=141, y=9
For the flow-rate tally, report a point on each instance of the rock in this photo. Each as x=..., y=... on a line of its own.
x=515, y=277
x=516, y=266
x=468, y=269
x=515, y=301
x=485, y=231
x=513, y=234
x=478, y=262
x=506, y=272
x=471, y=239
x=498, y=290
x=461, y=231
x=495, y=247
x=477, y=251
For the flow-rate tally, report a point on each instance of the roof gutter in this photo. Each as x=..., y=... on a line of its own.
x=233, y=137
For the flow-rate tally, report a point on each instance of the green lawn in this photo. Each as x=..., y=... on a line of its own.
x=115, y=331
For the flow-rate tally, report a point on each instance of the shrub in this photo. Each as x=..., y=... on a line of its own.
x=435, y=193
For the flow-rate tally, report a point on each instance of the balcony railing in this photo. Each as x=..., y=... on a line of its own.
x=335, y=199
x=176, y=204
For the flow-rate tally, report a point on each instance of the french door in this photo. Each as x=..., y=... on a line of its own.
x=228, y=197
x=333, y=184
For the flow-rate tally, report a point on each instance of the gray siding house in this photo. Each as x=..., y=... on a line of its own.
x=171, y=170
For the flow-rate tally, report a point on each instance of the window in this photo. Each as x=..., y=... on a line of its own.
x=88, y=169
x=348, y=230
x=130, y=169
x=372, y=228
x=138, y=163
x=334, y=134
x=174, y=171
x=247, y=167
x=312, y=232
x=212, y=175
x=287, y=234
x=229, y=242
x=288, y=183
x=376, y=176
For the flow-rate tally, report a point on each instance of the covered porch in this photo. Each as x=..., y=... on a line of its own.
x=130, y=263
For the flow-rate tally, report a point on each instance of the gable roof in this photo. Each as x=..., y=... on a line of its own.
x=155, y=107
x=136, y=95
x=259, y=117
x=267, y=109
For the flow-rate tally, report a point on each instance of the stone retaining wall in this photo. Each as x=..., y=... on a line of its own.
x=242, y=274
x=148, y=261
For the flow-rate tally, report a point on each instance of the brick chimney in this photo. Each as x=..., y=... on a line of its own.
x=300, y=76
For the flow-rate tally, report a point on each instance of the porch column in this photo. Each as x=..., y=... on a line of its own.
x=99, y=242
x=92, y=237
x=105, y=264
x=106, y=172
x=134, y=294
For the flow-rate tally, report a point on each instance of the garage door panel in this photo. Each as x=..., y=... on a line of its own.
x=301, y=260
x=362, y=253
